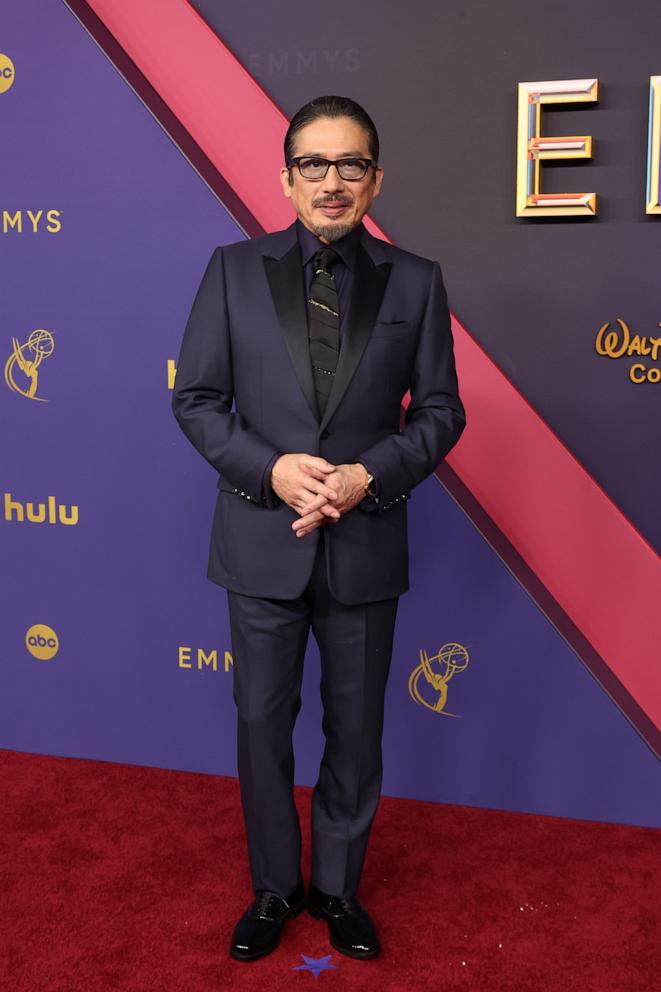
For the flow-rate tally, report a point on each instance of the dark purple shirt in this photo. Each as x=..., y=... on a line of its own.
x=342, y=270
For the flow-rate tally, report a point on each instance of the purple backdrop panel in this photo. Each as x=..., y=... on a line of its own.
x=125, y=586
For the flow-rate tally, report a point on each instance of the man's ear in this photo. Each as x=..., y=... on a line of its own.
x=286, y=180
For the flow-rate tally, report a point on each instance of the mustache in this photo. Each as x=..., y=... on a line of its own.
x=332, y=201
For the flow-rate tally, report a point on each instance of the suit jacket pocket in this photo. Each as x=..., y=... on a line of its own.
x=389, y=330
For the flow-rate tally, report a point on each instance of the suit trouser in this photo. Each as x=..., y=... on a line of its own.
x=269, y=638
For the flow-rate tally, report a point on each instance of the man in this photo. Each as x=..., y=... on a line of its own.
x=316, y=333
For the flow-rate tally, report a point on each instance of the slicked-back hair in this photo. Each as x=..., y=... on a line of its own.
x=332, y=106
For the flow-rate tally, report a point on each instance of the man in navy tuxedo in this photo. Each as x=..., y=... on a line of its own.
x=315, y=333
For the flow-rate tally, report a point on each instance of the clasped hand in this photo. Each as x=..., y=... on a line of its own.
x=319, y=491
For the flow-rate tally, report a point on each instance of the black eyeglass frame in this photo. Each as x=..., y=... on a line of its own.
x=367, y=162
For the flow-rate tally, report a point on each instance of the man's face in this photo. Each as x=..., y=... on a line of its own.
x=332, y=206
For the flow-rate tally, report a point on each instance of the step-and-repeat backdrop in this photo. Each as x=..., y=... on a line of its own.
x=115, y=646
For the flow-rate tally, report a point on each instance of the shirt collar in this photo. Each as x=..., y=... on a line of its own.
x=346, y=246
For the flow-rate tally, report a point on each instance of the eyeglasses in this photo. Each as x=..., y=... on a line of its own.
x=316, y=168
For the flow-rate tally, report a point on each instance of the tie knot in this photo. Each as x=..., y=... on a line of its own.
x=325, y=259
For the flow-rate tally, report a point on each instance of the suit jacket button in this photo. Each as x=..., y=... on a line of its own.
x=324, y=434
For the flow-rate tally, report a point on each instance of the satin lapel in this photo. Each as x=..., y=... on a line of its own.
x=285, y=276
x=369, y=284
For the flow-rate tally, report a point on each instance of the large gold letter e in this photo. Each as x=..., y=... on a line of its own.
x=533, y=147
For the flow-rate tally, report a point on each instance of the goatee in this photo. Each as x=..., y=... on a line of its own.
x=332, y=232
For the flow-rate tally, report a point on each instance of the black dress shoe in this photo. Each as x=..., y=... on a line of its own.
x=258, y=931
x=351, y=930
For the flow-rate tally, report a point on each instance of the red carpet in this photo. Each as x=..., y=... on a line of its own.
x=129, y=878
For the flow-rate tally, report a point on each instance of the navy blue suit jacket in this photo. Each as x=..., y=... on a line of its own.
x=244, y=391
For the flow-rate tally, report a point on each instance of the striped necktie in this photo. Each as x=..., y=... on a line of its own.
x=323, y=324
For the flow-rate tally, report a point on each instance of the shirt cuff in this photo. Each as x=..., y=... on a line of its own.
x=267, y=491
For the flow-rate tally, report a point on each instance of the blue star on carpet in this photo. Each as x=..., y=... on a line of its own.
x=315, y=965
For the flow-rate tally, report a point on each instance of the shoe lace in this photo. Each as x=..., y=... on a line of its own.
x=340, y=905
x=265, y=905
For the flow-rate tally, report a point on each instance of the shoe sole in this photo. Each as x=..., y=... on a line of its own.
x=343, y=950
x=238, y=956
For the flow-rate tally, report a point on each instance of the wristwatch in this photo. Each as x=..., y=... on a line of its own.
x=370, y=486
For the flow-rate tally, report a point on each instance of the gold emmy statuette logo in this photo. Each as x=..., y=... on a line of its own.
x=42, y=642
x=28, y=357
x=437, y=670
x=7, y=73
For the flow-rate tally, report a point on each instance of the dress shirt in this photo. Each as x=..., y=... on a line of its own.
x=343, y=269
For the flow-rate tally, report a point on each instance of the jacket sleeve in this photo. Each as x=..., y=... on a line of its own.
x=203, y=391
x=435, y=416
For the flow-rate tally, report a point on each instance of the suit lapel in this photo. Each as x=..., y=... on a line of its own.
x=285, y=276
x=284, y=271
